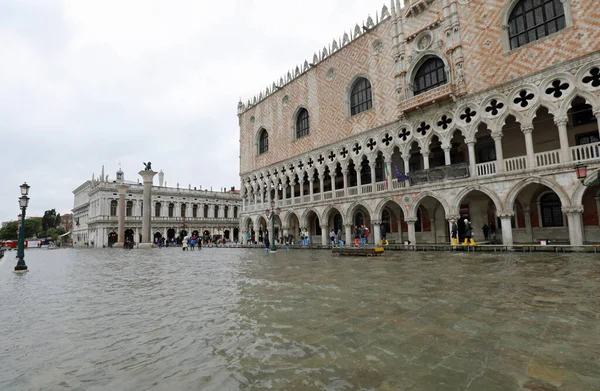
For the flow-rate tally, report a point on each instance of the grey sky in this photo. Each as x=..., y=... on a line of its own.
x=90, y=82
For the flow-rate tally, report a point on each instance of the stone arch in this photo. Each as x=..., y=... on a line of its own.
x=532, y=112
x=379, y=208
x=295, y=121
x=304, y=217
x=518, y=117
x=257, y=138
x=420, y=60
x=350, y=87
x=566, y=103
x=516, y=189
x=351, y=209
x=330, y=208
x=577, y=197
x=288, y=216
x=412, y=210
x=490, y=193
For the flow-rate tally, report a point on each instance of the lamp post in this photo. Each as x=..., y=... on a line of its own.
x=271, y=215
x=23, y=202
x=581, y=173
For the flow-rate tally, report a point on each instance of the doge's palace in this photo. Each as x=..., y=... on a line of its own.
x=434, y=110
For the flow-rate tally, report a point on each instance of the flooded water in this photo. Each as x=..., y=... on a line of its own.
x=239, y=319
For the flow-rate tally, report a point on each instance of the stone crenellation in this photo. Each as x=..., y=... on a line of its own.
x=319, y=56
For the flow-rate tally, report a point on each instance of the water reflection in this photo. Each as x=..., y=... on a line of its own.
x=240, y=319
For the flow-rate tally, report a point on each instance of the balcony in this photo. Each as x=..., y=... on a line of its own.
x=437, y=174
x=427, y=98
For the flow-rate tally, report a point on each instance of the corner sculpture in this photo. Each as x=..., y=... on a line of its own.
x=148, y=166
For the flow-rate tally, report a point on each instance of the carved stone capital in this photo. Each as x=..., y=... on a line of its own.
x=527, y=129
x=411, y=220
x=470, y=141
x=572, y=210
x=561, y=121
x=376, y=222
x=596, y=112
x=497, y=135
x=453, y=217
x=505, y=214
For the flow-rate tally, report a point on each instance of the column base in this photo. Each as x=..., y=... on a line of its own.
x=146, y=245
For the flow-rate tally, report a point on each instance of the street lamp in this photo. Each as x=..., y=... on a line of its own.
x=581, y=173
x=271, y=215
x=23, y=203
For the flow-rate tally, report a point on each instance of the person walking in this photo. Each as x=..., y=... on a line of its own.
x=339, y=237
x=383, y=235
x=454, y=230
x=266, y=241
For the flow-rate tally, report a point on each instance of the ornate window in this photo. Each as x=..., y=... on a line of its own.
x=157, y=209
x=531, y=20
x=141, y=208
x=195, y=210
x=551, y=210
x=361, y=98
x=235, y=212
x=113, y=208
x=129, y=208
x=302, y=123
x=226, y=211
x=183, y=207
x=216, y=211
x=171, y=209
x=205, y=211
x=431, y=74
x=263, y=142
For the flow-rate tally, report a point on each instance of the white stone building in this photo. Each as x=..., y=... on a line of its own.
x=176, y=211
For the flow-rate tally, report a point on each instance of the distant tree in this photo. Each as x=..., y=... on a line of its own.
x=50, y=220
x=10, y=230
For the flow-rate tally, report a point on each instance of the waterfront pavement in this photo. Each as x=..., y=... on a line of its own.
x=239, y=319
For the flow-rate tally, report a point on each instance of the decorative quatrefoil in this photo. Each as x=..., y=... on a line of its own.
x=468, y=115
x=524, y=98
x=356, y=148
x=444, y=122
x=423, y=128
x=331, y=156
x=404, y=134
x=344, y=152
x=387, y=140
x=556, y=88
x=321, y=159
x=310, y=162
x=593, y=78
x=494, y=107
x=300, y=164
x=371, y=144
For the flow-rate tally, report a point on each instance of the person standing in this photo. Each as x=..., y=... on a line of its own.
x=454, y=229
x=383, y=234
x=339, y=237
x=486, y=231
x=266, y=241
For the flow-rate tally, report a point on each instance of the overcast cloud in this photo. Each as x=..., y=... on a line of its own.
x=86, y=83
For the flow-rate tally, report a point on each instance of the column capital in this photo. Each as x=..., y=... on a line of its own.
x=425, y=153
x=596, y=112
x=285, y=228
x=378, y=222
x=505, y=214
x=348, y=225
x=527, y=129
x=561, y=121
x=324, y=227
x=411, y=220
x=497, y=135
x=470, y=141
x=446, y=148
x=572, y=210
x=453, y=217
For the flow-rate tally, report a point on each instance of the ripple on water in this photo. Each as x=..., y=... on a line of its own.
x=240, y=319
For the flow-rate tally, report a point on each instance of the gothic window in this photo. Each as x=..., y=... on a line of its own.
x=113, y=208
x=361, y=98
x=183, y=207
x=141, y=208
x=129, y=208
x=216, y=211
x=171, y=209
x=235, y=212
x=302, y=124
x=581, y=113
x=587, y=138
x=157, y=209
x=531, y=20
x=205, y=211
x=226, y=212
x=431, y=74
x=195, y=210
x=551, y=210
x=263, y=142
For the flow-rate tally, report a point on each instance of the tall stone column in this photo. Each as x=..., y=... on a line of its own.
x=505, y=220
x=528, y=132
x=147, y=176
x=561, y=123
x=376, y=232
x=324, y=235
x=472, y=161
x=321, y=180
x=348, y=239
x=373, y=176
x=412, y=236
x=425, y=160
x=358, y=181
x=447, y=159
x=575, y=220
x=597, y=115
x=499, y=153
x=433, y=230
x=406, y=169
x=122, y=189
x=333, y=184
x=345, y=174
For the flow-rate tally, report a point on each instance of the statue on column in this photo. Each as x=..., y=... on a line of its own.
x=148, y=166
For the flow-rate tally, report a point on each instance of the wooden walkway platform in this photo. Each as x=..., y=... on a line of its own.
x=358, y=251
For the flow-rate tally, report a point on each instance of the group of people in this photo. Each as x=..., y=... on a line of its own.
x=469, y=234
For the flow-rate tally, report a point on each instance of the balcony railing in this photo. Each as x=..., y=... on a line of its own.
x=317, y=197
x=518, y=163
x=339, y=193
x=485, y=169
x=381, y=186
x=352, y=191
x=437, y=174
x=397, y=184
x=585, y=152
x=547, y=158
x=306, y=198
x=427, y=98
x=327, y=195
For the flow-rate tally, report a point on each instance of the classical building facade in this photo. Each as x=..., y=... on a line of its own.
x=176, y=211
x=437, y=109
